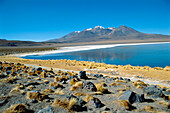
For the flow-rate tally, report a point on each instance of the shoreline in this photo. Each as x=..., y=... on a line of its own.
x=127, y=70
x=81, y=48
x=152, y=75
x=151, y=82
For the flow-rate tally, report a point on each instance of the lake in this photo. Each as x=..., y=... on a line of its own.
x=153, y=55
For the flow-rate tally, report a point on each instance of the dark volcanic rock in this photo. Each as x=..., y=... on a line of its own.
x=3, y=102
x=80, y=102
x=1, y=67
x=8, y=72
x=153, y=91
x=166, y=92
x=39, y=69
x=31, y=83
x=71, y=77
x=82, y=75
x=33, y=101
x=89, y=86
x=46, y=110
x=131, y=97
x=2, y=75
x=120, y=78
x=98, y=75
x=8, y=68
x=95, y=103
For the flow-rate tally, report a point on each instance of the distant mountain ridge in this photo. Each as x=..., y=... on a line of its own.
x=13, y=43
x=100, y=33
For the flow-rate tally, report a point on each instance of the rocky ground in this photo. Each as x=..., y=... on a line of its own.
x=27, y=89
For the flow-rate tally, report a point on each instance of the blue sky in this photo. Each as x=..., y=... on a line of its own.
x=39, y=20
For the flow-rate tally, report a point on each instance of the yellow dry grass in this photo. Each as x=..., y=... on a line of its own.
x=47, y=91
x=76, y=86
x=59, y=92
x=123, y=103
x=73, y=81
x=120, y=93
x=31, y=87
x=43, y=75
x=100, y=87
x=146, y=71
x=45, y=81
x=55, y=84
x=59, y=103
x=149, y=109
x=79, y=94
x=16, y=91
x=139, y=82
x=36, y=95
x=164, y=103
x=71, y=103
x=9, y=80
x=38, y=78
x=88, y=97
x=123, y=81
x=17, y=108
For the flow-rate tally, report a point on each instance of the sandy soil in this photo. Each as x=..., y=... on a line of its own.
x=157, y=74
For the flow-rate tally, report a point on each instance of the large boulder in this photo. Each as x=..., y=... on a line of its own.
x=8, y=68
x=153, y=91
x=95, y=103
x=132, y=97
x=89, y=86
x=39, y=69
x=82, y=75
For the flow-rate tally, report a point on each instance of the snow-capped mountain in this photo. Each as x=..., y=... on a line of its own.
x=100, y=33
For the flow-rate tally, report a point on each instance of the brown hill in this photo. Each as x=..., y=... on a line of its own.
x=100, y=33
x=13, y=43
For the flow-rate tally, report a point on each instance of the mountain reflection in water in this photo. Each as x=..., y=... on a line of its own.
x=153, y=55
x=101, y=55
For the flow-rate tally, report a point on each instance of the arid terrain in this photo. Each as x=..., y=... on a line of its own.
x=30, y=89
x=61, y=86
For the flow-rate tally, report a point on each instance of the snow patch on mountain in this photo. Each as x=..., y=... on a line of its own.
x=99, y=27
x=88, y=29
x=111, y=28
x=77, y=31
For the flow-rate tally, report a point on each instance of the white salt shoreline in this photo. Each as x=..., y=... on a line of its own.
x=81, y=48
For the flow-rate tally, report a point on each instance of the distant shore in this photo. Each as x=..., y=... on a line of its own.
x=81, y=48
x=17, y=50
x=6, y=50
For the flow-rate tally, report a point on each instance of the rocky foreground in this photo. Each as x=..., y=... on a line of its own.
x=27, y=89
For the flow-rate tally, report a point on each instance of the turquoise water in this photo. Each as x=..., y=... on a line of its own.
x=153, y=55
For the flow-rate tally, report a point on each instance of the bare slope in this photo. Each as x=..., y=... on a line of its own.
x=100, y=33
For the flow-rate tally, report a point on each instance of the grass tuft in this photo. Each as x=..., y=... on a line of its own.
x=17, y=108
